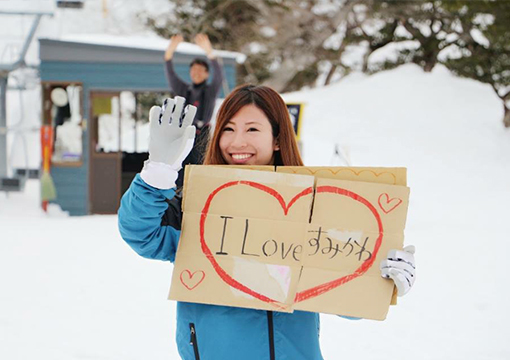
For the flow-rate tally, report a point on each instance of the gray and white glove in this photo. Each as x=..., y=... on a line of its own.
x=400, y=266
x=171, y=140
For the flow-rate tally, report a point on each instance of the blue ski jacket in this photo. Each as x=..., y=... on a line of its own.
x=150, y=223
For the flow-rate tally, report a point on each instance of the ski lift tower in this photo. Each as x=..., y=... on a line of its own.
x=12, y=183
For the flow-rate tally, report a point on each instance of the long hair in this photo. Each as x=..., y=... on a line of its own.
x=273, y=106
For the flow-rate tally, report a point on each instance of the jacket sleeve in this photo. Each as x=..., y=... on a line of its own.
x=217, y=79
x=178, y=86
x=141, y=211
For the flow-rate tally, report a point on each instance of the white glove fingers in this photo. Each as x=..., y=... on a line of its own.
x=186, y=145
x=408, y=276
x=188, y=136
x=154, y=116
x=190, y=132
x=410, y=249
x=177, y=113
x=385, y=272
x=400, y=255
x=188, y=115
x=169, y=142
x=385, y=269
x=166, y=111
x=399, y=265
x=402, y=283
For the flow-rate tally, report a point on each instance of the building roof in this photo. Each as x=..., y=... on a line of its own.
x=124, y=49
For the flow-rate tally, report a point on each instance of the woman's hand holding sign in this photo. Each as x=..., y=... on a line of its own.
x=400, y=266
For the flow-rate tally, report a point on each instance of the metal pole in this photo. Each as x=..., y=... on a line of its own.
x=3, y=126
x=29, y=38
x=4, y=75
x=3, y=12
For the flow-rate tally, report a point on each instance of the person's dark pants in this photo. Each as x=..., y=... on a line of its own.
x=196, y=156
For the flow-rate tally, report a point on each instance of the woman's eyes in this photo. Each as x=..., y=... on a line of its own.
x=252, y=129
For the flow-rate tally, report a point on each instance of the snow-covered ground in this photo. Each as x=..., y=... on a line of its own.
x=71, y=289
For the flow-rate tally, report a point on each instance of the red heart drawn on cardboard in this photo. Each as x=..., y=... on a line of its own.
x=386, y=204
x=308, y=293
x=189, y=280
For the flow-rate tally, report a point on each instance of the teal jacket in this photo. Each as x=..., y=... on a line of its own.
x=211, y=332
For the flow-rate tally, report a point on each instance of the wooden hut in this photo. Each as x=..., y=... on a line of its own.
x=95, y=93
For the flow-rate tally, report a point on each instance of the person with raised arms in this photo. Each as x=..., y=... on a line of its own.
x=200, y=92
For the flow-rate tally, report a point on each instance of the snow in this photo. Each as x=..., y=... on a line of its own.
x=149, y=42
x=391, y=52
x=71, y=288
x=67, y=294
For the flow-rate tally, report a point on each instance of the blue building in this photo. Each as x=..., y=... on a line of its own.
x=96, y=95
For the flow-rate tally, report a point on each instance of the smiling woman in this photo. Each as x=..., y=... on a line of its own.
x=253, y=127
x=248, y=138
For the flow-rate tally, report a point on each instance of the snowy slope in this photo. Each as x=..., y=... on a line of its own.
x=448, y=133
x=71, y=289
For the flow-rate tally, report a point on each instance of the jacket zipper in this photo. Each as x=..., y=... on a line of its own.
x=271, y=335
x=193, y=340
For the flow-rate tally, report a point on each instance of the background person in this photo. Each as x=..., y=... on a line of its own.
x=198, y=93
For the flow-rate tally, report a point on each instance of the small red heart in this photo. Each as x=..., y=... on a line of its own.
x=188, y=280
x=308, y=293
x=386, y=203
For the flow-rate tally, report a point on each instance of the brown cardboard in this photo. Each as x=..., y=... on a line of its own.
x=245, y=255
x=242, y=167
x=252, y=239
x=391, y=176
x=353, y=226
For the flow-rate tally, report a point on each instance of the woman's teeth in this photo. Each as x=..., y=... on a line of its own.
x=240, y=156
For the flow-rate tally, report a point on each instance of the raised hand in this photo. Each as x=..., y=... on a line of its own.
x=171, y=132
x=172, y=45
x=202, y=40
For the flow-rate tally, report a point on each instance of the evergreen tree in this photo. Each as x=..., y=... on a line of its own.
x=290, y=44
x=235, y=25
x=486, y=58
x=430, y=26
x=472, y=38
x=284, y=40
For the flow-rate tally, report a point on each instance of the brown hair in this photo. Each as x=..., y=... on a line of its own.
x=273, y=106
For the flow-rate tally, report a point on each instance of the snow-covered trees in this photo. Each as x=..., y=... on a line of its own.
x=291, y=44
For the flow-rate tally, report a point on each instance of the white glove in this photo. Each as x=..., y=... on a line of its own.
x=171, y=140
x=400, y=266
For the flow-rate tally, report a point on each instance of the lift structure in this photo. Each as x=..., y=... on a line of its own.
x=14, y=182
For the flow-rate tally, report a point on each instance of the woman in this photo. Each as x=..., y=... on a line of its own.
x=252, y=128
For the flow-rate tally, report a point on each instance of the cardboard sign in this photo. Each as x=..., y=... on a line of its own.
x=278, y=240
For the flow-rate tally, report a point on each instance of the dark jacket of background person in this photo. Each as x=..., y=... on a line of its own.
x=203, y=95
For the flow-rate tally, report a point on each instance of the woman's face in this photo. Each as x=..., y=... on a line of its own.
x=247, y=139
